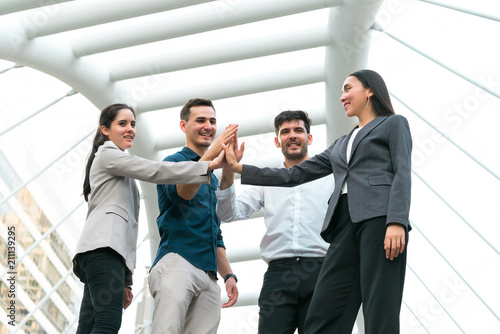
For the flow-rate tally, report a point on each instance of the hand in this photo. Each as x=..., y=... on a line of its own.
x=232, y=292
x=127, y=297
x=394, y=243
x=231, y=159
x=238, y=151
x=238, y=154
x=219, y=162
x=216, y=146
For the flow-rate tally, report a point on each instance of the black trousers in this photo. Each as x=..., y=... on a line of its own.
x=102, y=303
x=356, y=270
x=286, y=294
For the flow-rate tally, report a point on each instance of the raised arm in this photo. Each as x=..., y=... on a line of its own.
x=188, y=191
x=227, y=173
x=119, y=163
x=309, y=170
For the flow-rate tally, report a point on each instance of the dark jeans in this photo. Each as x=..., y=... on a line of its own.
x=356, y=270
x=286, y=293
x=102, y=303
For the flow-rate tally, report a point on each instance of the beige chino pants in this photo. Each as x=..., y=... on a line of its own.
x=187, y=300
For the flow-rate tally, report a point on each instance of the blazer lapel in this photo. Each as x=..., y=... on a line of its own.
x=343, y=146
x=365, y=131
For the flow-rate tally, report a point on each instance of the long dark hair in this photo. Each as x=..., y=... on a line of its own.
x=381, y=100
x=107, y=117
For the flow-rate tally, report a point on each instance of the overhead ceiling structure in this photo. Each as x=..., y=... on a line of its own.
x=255, y=58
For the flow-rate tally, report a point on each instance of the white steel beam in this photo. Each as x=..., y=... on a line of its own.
x=21, y=121
x=175, y=60
x=12, y=6
x=144, y=146
x=237, y=86
x=81, y=14
x=243, y=254
x=490, y=16
x=206, y=19
x=249, y=298
x=349, y=27
x=52, y=55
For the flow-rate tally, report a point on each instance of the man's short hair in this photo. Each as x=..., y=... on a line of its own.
x=289, y=115
x=186, y=110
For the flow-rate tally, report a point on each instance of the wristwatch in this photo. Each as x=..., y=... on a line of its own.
x=230, y=275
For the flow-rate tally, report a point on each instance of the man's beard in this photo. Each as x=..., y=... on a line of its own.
x=294, y=156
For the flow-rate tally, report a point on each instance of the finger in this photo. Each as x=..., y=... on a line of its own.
x=126, y=302
x=235, y=140
x=392, y=249
x=230, y=130
x=403, y=243
x=226, y=135
x=396, y=247
x=230, y=302
x=221, y=155
x=239, y=153
x=387, y=247
x=228, y=138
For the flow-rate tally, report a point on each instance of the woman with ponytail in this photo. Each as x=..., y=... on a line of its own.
x=105, y=255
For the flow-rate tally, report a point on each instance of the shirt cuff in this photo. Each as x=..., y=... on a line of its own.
x=223, y=194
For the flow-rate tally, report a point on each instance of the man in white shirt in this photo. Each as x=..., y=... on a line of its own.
x=292, y=245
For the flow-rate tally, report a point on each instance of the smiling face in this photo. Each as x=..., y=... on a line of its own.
x=355, y=97
x=200, y=128
x=122, y=129
x=293, y=139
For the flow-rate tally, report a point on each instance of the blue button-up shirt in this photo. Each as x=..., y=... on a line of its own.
x=189, y=228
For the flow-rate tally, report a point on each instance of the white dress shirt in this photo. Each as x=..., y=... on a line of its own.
x=348, y=154
x=293, y=216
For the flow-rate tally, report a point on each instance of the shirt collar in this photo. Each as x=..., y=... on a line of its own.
x=189, y=153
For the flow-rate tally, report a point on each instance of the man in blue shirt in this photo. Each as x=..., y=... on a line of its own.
x=183, y=277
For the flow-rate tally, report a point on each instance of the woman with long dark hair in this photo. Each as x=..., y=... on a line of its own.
x=105, y=255
x=367, y=219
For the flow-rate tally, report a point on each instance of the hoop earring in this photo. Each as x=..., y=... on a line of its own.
x=367, y=102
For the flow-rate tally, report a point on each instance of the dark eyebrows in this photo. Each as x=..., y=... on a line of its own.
x=201, y=118
x=296, y=128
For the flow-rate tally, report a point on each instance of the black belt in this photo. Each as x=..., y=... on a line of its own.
x=211, y=273
x=297, y=259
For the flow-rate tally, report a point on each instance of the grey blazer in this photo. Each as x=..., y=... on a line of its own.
x=378, y=174
x=113, y=206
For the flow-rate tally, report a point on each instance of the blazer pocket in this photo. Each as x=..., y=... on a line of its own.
x=117, y=211
x=380, y=180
